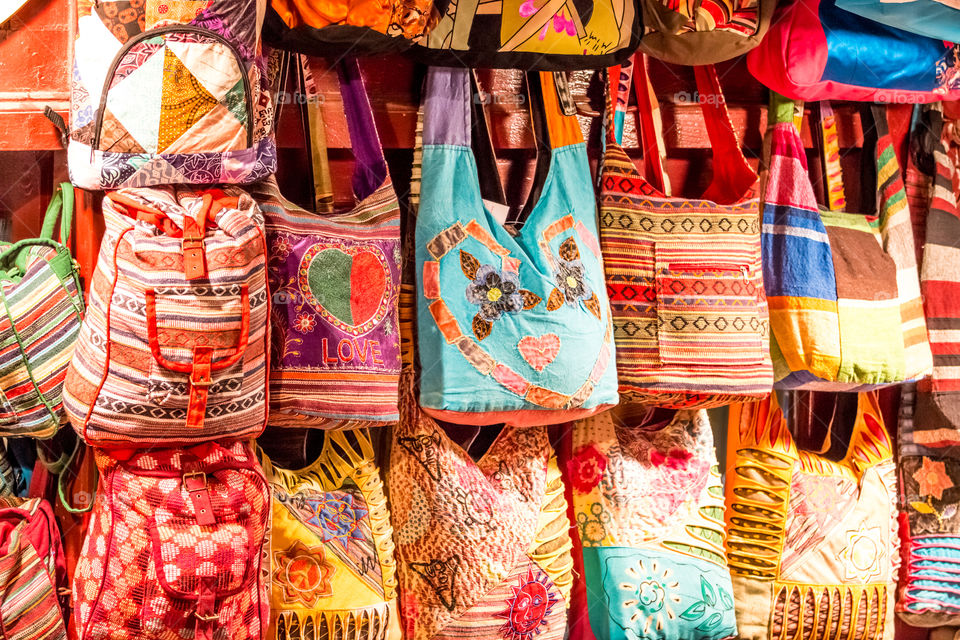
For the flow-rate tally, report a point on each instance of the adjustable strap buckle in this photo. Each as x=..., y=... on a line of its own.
x=195, y=482
x=194, y=265
x=201, y=377
x=206, y=612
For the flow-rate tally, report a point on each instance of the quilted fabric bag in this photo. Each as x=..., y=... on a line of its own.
x=32, y=569
x=828, y=273
x=334, y=279
x=518, y=322
x=169, y=91
x=815, y=50
x=174, y=347
x=482, y=533
x=938, y=19
x=812, y=542
x=703, y=32
x=684, y=276
x=333, y=571
x=648, y=503
x=177, y=546
x=40, y=316
x=533, y=34
x=928, y=437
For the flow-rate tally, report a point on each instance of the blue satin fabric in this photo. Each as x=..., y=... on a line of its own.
x=924, y=17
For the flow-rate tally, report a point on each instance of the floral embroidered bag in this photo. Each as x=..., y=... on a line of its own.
x=483, y=546
x=333, y=572
x=169, y=92
x=684, y=276
x=812, y=542
x=173, y=349
x=335, y=279
x=518, y=322
x=177, y=547
x=648, y=503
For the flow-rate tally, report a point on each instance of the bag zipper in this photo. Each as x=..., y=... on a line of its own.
x=188, y=28
x=715, y=266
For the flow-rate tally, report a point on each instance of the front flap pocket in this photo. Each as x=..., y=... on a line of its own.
x=707, y=307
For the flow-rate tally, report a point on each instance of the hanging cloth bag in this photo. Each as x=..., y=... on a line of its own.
x=812, y=542
x=684, y=276
x=937, y=19
x=334, y=279
x=829, y=273
x=815, y=50
x=517, y=323
x=648, y=503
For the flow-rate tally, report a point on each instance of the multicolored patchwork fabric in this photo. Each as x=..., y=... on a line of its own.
x=177, y=547
x=812, y=543
x=41, y=308
x=32, y=570
x=335, y=280
x=519, y=324
x=830, y=273
x=170, y=91
x=648, y=503
x=333, y=571
x=684, y=276
x=930, y=412
x=483, y=547
x=174, y=347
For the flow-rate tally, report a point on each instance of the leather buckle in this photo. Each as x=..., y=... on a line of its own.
x=213, y=617
x=195, y=474
x=202, y=382
x=191, y=242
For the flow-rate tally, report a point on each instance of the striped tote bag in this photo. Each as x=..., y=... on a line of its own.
x=684, y=276
x=829, y=273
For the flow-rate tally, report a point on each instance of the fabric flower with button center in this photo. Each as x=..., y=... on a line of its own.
x=572, y=287
x=495, y=292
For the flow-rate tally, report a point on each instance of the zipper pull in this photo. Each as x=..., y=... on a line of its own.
x=744, y=273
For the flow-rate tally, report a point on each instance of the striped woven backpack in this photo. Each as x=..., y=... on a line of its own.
x=683, y=276
x=173, y=349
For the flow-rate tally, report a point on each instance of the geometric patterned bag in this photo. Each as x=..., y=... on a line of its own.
x=812, y=542
x=334, y=575
x=649, y=510
x=169, y=91
x=174, y=345
x=177, y=547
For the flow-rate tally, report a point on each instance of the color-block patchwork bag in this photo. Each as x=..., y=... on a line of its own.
x=333, y=571
x=703, y=32
x=335, y=278
x=648, y=503
x=41, y=308
x=829, y=273
x=812, y=542
x=177, y=546
x=684, y=276
x=930, y=418
x=32, y=570
x=938, y=19
x=169, y=91
x=518, y=321
x=483, y=546
x=815, y=50
x=174, y=347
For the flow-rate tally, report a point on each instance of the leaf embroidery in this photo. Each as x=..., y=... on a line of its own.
x=593, y=305
x=481, y=328
x=694, y=611
x=469, y=264
x=555, y=301
x=710, y=622
x=530, y=299
x=923, y=507
x=706, y=590
x=568, y=250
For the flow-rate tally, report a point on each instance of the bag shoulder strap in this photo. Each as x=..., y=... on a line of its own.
x=59, y=210
x=370, y=170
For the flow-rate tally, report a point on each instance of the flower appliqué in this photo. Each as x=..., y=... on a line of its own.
x=305, y=322
x=933, y=479
x=303, y=574
x=495, y=292
x=586, y=468
x=282, y=246
x=572, y=287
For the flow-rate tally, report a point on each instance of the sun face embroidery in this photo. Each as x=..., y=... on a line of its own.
x=863, y=556
x=302, y=574
x=528, y=608
x=651, y=593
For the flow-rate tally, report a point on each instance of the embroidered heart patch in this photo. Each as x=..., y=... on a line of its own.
x=539, y=352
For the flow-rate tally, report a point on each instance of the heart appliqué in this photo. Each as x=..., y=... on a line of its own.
x=539, y=352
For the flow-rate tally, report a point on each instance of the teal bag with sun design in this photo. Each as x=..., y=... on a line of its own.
x=517, y=321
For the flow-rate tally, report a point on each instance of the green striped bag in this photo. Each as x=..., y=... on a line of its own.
x=41, y=306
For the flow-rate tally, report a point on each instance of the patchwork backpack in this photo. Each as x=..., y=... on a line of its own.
x=173, y=350
x=334, y=574
x=169, y=91
x=177, y=546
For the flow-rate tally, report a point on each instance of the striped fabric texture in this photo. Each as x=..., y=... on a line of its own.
x=173, y=348
x=41, y=308
x=32, y=566
x=828, y=274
